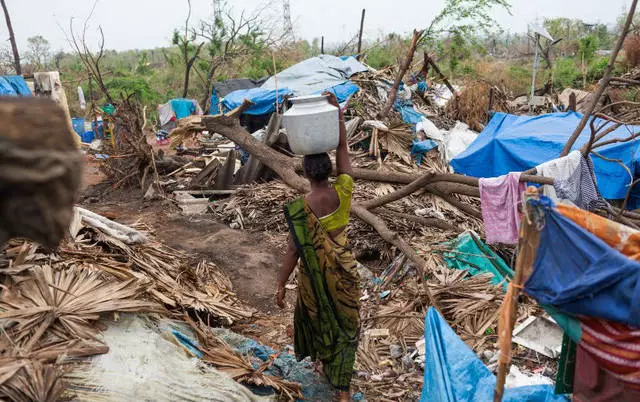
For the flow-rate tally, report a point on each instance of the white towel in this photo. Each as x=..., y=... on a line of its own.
x=559, y=169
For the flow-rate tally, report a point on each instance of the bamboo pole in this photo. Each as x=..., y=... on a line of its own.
x=360, y=35
x=527, y=246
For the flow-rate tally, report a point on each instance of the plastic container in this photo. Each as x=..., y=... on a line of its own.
x=78, y=125
x=312, y=125
x=88, y=136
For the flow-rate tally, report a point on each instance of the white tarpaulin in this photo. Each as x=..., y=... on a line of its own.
x=315, y=74
x=145, y=363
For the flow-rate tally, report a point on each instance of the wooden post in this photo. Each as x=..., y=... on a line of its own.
x=490, y=103
x=442, y=76
x=528, y=246
x=573, y=103
x=403, y=69
x=322, y=45
x=94, y=126
x=360, y=35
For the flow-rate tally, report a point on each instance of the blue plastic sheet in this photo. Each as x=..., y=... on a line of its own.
x=584, y=276
x=343, y=91
x=264, y=100
x=182, y=107
x=453, y=373
x=409, y=114
x=314, y=386
x=6, y=89
x=18, y=84
x=214, y=108
x=512, y=143
x=420, y=147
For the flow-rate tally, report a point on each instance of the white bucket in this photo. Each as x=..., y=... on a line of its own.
x=312, y=125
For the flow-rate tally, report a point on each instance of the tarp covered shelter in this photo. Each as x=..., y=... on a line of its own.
x=311, y=76
x=264, y=100
x=176, y=109
x=224, y=88
x=14, y=85
x=512, y=143
x=316, y=75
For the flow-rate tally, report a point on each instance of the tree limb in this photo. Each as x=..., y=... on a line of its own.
x=604, y=82
x=401, y=72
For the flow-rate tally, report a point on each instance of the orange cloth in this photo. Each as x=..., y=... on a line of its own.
x=618, y=236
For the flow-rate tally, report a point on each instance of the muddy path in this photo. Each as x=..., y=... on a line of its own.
x=249, y=259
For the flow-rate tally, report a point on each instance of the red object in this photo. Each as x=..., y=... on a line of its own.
x=593, y=384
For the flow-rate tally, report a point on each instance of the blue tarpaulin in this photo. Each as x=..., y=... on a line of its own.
x=214, y=108
x=14, y=85
x=182, y=107
x=453, y=373
x=512, y=143
x=343, y=91
x=584, y=276
x=420, y=147
x=409, y=114
x=264, y=100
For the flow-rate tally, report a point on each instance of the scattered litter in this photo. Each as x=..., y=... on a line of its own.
x=540, y=334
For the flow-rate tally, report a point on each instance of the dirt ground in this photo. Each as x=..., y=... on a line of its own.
x=250, y=260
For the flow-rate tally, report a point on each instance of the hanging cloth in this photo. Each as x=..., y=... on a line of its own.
x=499, y=199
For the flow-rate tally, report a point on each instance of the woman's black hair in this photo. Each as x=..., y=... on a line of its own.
x=317, y=167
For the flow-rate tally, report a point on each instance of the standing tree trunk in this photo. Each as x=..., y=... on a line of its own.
x=206, y=98
x=188, y=66
x=12, y=39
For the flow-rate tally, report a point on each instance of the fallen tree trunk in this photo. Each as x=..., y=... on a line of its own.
x=401, y=72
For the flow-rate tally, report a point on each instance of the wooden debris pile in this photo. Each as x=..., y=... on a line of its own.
x=52, y=301
x=131, y=160
x=475, y=101
x=389, y=354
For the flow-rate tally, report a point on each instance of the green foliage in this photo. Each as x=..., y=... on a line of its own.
x=133, y=85
x=566, y=74
x=587, y=46
x=469, y=17
x=518, y=73
x=39, y=51
x=379, y=57
x=596, y=68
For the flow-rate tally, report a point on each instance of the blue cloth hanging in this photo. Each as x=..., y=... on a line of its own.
x=580, y=274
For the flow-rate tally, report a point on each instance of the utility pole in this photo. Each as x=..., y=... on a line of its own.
x=12, y=39
x=360, y=35
x=322, y=45
x=217, y=10
x=288, y=26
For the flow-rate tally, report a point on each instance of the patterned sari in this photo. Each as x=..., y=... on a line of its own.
x=326, y=322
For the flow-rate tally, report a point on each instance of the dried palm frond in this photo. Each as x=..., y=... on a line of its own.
x=222, y=356
x=33, y=381
x=64, y=302
x=398, y=141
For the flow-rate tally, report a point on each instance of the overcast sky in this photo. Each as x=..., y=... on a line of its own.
x=140, y=24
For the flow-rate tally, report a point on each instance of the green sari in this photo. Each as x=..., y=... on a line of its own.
x=326, y=322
